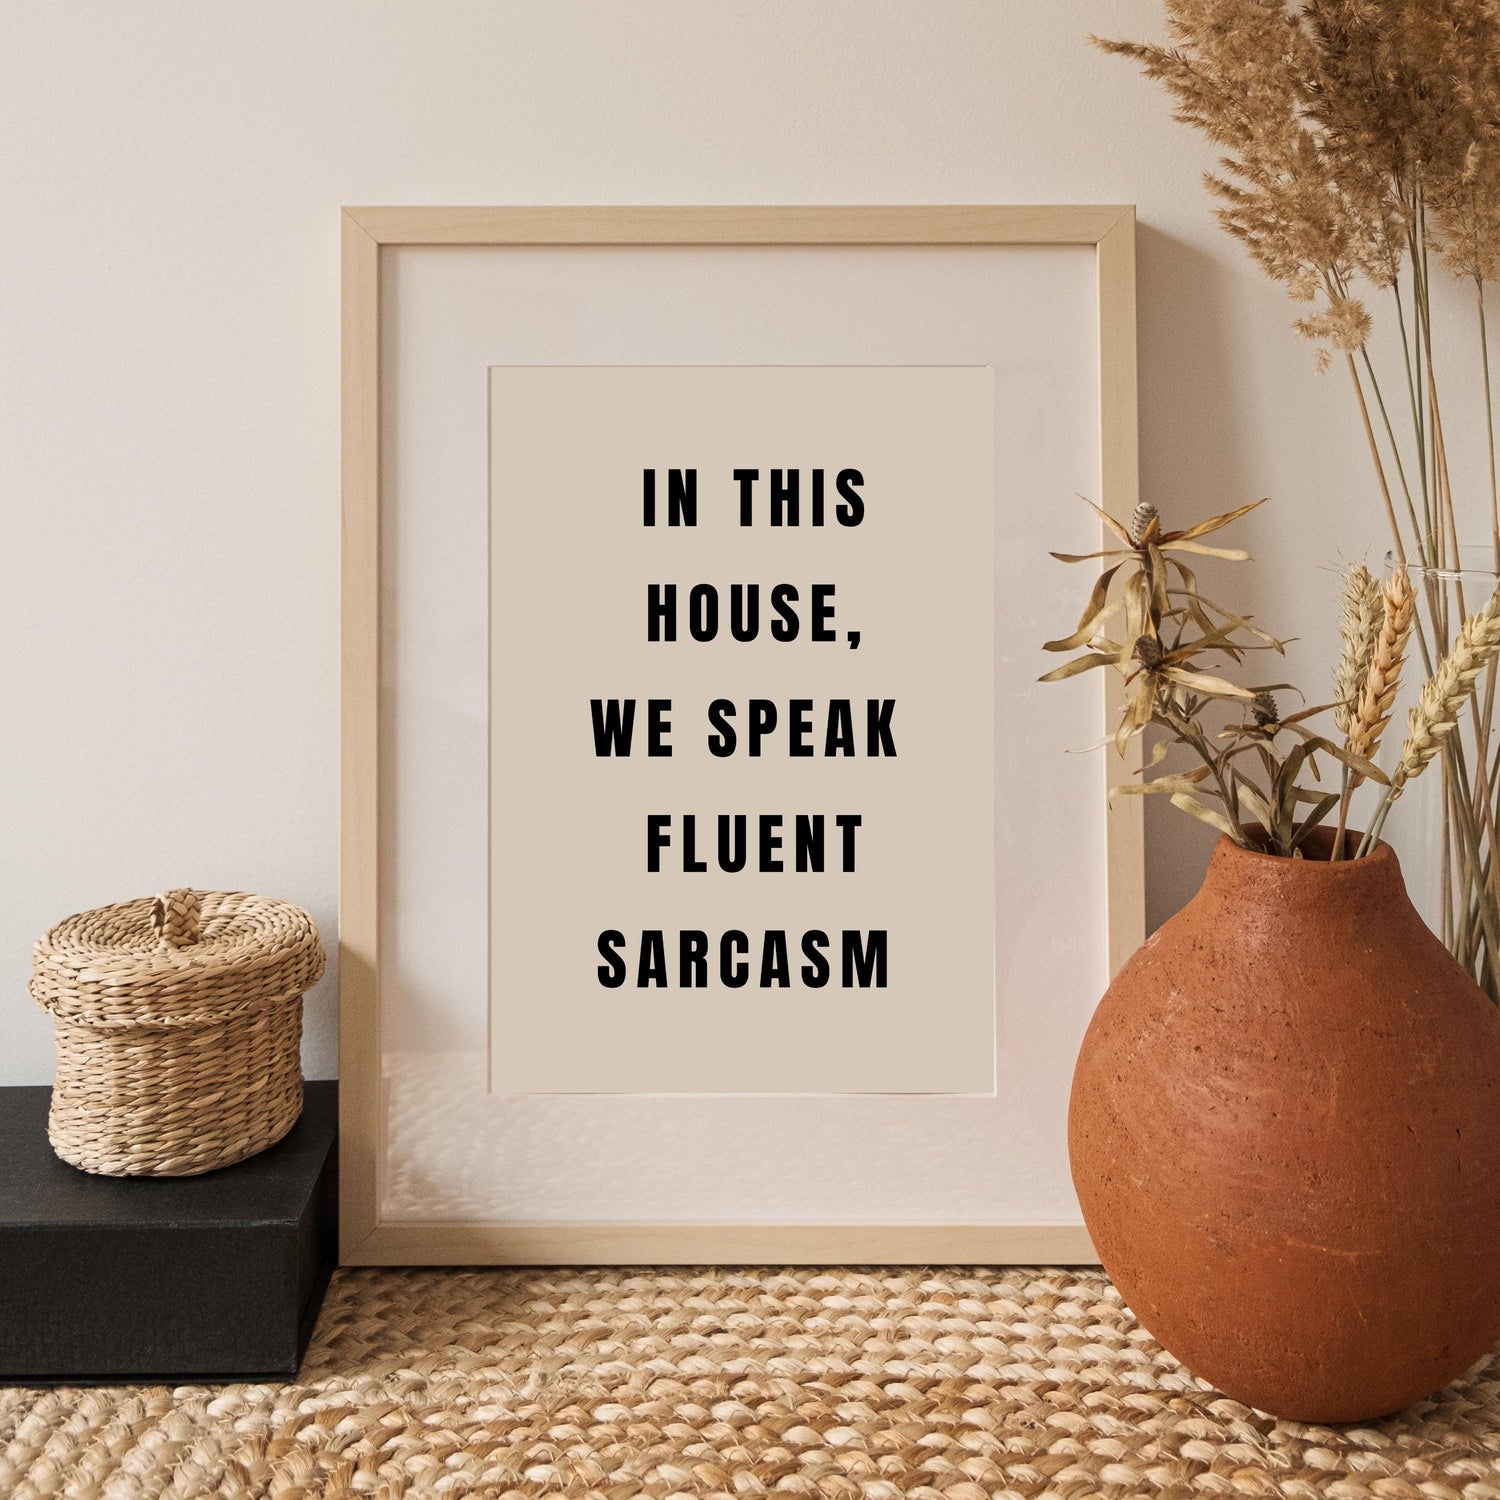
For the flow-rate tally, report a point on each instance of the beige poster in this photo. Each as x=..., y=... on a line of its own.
x=741, y=797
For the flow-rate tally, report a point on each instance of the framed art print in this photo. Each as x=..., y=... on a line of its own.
x=708, y=893
x=714, y=796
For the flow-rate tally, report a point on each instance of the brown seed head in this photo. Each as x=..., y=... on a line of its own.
x=1148, y=651
x=1140, y=522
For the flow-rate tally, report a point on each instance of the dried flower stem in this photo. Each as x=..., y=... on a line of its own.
x=1170, y=634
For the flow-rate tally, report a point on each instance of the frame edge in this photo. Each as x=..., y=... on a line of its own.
x=743, y=224
x=1119, y=483
x=359, y=867
x=363, y=1238
x=706, y=1244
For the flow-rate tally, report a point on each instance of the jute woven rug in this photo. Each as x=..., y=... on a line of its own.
x=873, y=1384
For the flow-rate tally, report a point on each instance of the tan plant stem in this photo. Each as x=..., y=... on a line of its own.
x=1448, y=916
x=1411, y=348
x=1385, y=489
x=1489, y=423
x=1443, y=493
x=1492, y=674
x=1398, y=544
x=1346, y=788
x=1193, y=737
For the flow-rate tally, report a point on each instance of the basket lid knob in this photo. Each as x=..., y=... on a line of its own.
x=174, y=914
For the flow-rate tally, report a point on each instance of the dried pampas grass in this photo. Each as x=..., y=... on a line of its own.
x=1348, y=128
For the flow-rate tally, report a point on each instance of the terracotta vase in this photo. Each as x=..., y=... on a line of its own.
x=1285, y=1134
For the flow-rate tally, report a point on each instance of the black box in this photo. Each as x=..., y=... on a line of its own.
x=163, y=1279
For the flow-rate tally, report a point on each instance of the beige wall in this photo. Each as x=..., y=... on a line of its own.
x=170, y=175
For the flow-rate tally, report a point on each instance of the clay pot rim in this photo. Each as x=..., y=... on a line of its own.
x=1379, y=857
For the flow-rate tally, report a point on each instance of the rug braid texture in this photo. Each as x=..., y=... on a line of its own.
x=961, y=1383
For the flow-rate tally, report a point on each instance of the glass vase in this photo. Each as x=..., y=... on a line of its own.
x=1444, y=828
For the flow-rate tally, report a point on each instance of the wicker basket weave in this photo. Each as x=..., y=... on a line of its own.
x=179, y=1023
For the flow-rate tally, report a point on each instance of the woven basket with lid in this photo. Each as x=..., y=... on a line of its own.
x=179, y=1023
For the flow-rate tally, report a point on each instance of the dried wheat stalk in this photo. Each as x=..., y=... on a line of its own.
x=1377, y=696
x=1359, y=626
x=1444, y=695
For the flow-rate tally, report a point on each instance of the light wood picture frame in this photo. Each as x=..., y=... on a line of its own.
x=366, y=1238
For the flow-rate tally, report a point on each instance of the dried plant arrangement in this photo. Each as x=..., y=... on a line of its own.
x=1258, y=775
x=1360, y=160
